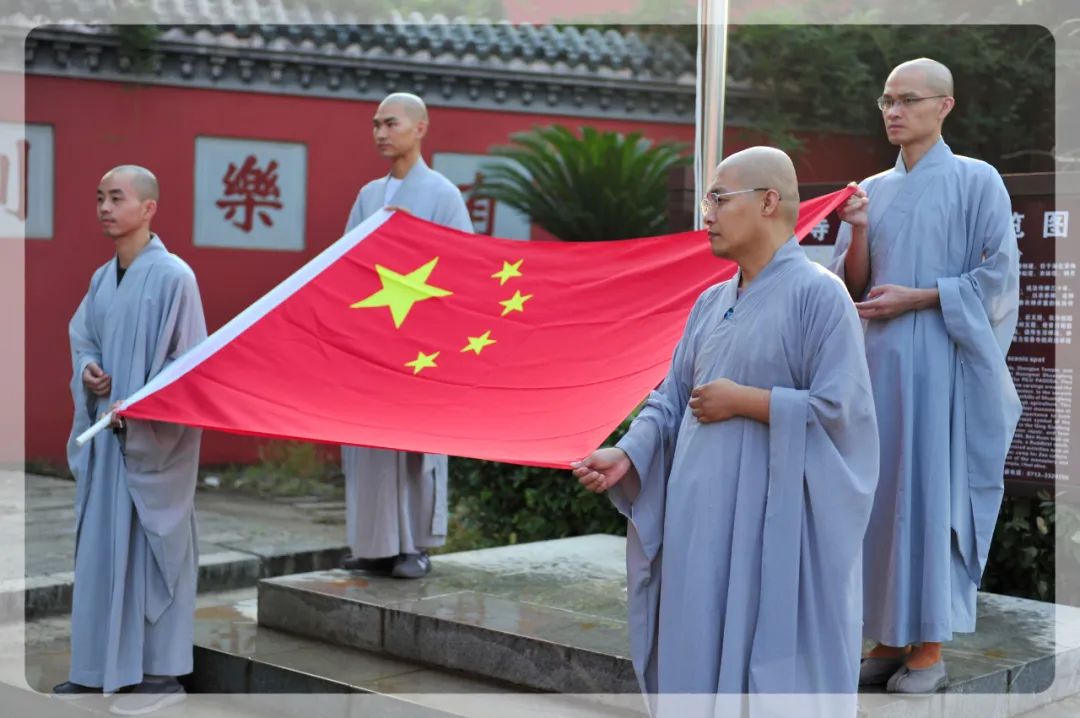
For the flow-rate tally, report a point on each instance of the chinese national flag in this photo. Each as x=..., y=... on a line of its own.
x=408, y=335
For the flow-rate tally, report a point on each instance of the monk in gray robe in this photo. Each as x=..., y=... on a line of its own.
x=395, y=501
x=132, y=616
x=933, y=264
x=748, y=475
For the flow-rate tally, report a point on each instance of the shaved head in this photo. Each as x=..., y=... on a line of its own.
x=769, y=168
x=143, y=181
x=751, y=207
x=936, y=77
x=411, y=105
x=400, y=125
x=916, y=100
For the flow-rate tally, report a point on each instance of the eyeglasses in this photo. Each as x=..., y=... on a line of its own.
x=886, y=103
x=712, y=199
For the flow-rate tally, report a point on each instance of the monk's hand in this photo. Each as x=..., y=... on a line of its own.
x=396, y=208
x=886, y=301
x=96, y=380
x=117, y=422
x=854, y=211
x=601, y=469
x=719, y=400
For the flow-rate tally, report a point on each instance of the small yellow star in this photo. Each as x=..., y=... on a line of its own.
x=515, y=303
x=401, y=291
x=477, y=344
x=508, y=272
x=422, y=361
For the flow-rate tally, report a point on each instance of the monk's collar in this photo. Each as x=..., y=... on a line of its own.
x=152, y=247
x=415, y=169
x=786, y=253
x=937, y=152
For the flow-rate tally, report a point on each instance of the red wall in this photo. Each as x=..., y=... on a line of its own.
x=98, y=125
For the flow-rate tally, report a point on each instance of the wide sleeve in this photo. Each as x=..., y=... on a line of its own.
x=823, y=469
x=827, y=431
x=151, y=446
x=989, y=294
x=980, y=310
x=85, y=348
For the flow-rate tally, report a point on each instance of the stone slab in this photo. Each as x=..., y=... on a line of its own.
x=550, y=616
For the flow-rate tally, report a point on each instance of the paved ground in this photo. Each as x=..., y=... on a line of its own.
x=241, y=539
x=1068, y=708
x=227, y=522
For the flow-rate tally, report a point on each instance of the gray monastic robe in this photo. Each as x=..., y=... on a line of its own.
x=946, y=405
x=395, y=501
x=135, y=546
x=743, y=545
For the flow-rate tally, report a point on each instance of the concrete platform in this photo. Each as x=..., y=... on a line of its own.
x=550, y=616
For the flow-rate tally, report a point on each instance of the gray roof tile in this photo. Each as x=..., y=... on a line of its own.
x=326, y=27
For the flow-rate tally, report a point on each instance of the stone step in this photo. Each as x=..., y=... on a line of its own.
x=234, y=654
x=550, y=616
x=242, y=538
x=220, y=570
x=541, y=624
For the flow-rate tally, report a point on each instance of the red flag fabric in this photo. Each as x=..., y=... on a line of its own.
x=408, y=335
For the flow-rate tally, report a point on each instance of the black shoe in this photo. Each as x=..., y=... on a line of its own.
x=67, y=689
x=412, y=565
x=381, y=566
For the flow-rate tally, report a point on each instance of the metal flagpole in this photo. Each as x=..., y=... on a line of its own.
x=711, y=75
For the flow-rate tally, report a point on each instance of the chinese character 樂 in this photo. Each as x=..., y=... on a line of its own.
x=250, y=189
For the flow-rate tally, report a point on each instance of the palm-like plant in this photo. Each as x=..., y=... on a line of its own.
x=601, y=185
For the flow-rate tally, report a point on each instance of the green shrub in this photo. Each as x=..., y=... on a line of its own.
x=1023, y=553
x=285, y=468
x=497, y=504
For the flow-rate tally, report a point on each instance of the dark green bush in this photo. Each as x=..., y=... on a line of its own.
x=1023, y=554
x=497, y=504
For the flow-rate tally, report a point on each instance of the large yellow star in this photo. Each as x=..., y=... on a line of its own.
x=477, y=344
x=422, y=361
x=508, y=272
x=515, y=303
x=401, y=291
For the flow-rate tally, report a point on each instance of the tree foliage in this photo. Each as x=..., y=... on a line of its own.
x=827, y=76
